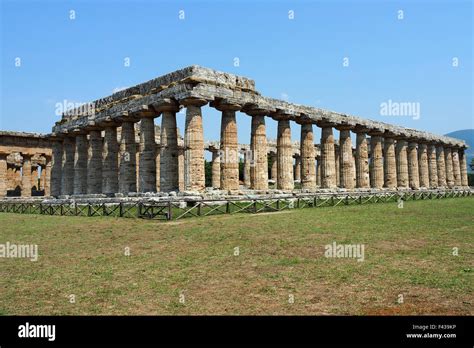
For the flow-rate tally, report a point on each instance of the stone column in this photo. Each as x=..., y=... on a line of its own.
x=448, y=159
x=247, y=167
x=258, y=148
x=463, y=168
x=181, y=168
x=194, y=176
x=413, y=174
x=110, y=161
x=456, y=167
x=216, y=169
x=42, y=177
x=318, y=171
x=147, y=159
x=402, y=163
x=441, y=166
x=362, y=161
x=26, y=176
x=345, y=159
x=308, y=159
x=34, y=177
x=3, y=174
x=80, y=165
x=328, y=164
x=229, y=148
x=47, y=177
x=390, y=163
x=158, y=166
x=273, y=168
x=336, y=165
x=94, y=163
x=128, y=164
x=284, y=156
x=376, y=162
x=56, y=166
x=432, y=167
x=297, y=169
x=67, y=178
x=423, y=165
x=169, y=156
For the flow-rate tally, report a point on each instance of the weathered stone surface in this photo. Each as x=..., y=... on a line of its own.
x=463, y=168
x=194, y=179
x=169, y=158
x=402, y=164
x=318, y=172
x=413, y=174
x=56, y=167
x=362, y=161
x=147, y=159
x=440, y=160
x=297, y=168
x=246, y=173
x=346, y=160
x=432, y=166
x=284, y=156
x=376, y=162
x=308, y=159
x=423, y=165
x=390, y=164
x=336, y=165
x=46, y=178
x=67, y=178
x=448, y=160
x=273, y=168
x=181, y=167
x=128, y=150
x=26, y=176
x=456, y=167
x=94, y=163
x=216, y=169
x=80, y=165
x=258, y=148
x=110, y=161
x=328, y=164
x=3, y=175
x=229, y=151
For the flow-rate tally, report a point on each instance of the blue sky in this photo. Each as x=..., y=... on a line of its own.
x=299, y=59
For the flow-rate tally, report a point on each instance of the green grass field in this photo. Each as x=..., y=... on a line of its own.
x=408, y=252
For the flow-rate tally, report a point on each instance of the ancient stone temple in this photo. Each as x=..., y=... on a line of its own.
x=113, y=146
x=25, y=164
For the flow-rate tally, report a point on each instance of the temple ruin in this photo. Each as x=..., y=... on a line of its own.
x=113, y=148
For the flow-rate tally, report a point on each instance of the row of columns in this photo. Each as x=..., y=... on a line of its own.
x=83, y=163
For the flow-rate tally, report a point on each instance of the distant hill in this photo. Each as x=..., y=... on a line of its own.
x=468, y=136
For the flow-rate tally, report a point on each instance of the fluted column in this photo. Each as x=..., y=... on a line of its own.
x=390, y=163
x=336, y=165
x=110, y=161
x=3, y=174
x=308, y=159
x=413, y=173
x=247, y=160
x=229, y=147
x=423, y=165
x=26, y=176
x=273, y=168
x=285, y=179
x=34, y=177
x=94, y=163
x=441, y=164
x=402, y=163
x=346, y=159
x=56, y=166
x=362, y=161
x=463, y=168
x=158, y=167
x=47, y=177
x=432, y=166
x=376, y=163
x=448, y=159
x=128, y=164
x=169, y=153
x=80, y=164
x=328, y=164
x=67, y=178
x=194, y=176
x=456, y=167
x=147, y=158
x=216, y=169
x=297, y=168
x=258, y=148
x=318, y=171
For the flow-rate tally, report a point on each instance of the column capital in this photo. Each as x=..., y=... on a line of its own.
x=166, y=105
x=344, y=126
x=325, y=124
x=142, y=111
x=226, y=105
x=193, y=102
